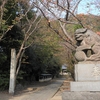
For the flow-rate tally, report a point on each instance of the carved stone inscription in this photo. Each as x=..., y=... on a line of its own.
x=96, y=71
x=87, y=72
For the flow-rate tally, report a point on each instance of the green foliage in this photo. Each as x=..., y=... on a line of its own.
x=40, y=60
x=39, y=55
x=4, y=80
x=3, y=58
x=0, y=3
x=54, y=66
x=12, y=39
x=30, y=14
x=10, y=11
x=97, y=28
x=77, y=27
x=9, y=16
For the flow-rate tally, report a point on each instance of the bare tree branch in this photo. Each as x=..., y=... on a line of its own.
x=76, y=6
x=19, y=64
x=64, y=30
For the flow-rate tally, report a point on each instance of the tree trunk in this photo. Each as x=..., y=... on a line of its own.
x=12, y=72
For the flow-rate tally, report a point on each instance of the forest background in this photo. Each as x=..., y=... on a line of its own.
x=42, y=32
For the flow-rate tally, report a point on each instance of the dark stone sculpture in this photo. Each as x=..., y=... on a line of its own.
x=88, y=45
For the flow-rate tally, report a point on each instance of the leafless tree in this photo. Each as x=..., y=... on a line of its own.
x=61, y=10
x=97, y=4
x=28, y=27
x=2, y=4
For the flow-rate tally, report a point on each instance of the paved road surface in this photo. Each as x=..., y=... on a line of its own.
x=44, y=93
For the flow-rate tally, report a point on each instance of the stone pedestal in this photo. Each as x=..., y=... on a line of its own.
x=87, y=77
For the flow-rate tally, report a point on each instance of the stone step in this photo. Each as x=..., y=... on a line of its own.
x=85, y=86
x=66, y=83
x=56, y=98
x=80, y=96
x=70, y=79
x=64, y=88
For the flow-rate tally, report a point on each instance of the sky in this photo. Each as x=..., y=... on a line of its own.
x=85, y=7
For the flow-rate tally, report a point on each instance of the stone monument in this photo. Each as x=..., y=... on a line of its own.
x=87, y=71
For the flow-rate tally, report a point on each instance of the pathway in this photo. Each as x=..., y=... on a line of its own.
x=45, y=93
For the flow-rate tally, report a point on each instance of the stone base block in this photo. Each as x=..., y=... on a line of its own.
x=80, y=95
x=85, y=86
x=87, y=72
